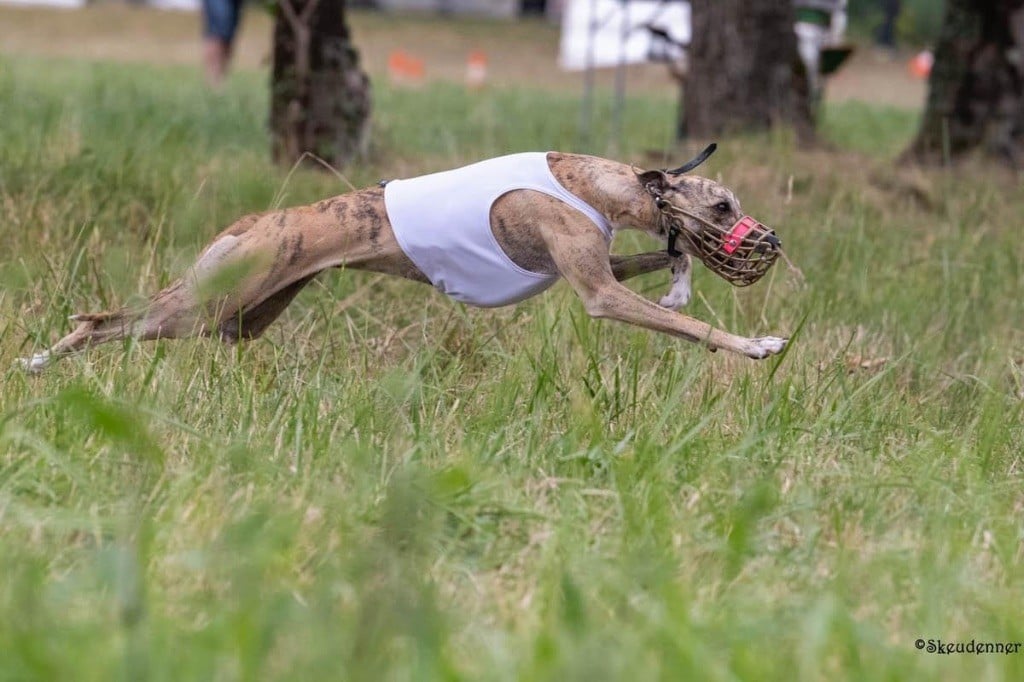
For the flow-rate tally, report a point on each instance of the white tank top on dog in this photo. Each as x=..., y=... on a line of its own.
x=442, y=222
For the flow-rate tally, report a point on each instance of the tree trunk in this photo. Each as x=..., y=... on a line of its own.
x=976, y=87
x=745, y=72
x=319, y=96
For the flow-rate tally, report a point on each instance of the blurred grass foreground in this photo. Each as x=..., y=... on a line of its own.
x=390, y=486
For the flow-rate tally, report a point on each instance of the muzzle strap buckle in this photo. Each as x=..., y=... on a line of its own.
x=673, y=235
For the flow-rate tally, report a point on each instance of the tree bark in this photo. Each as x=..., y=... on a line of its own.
x=976, y=87
x=319, y=95
x=745, y=72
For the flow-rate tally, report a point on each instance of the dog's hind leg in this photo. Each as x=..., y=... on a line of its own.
x=251, y=323
x=90, y=329
x=249, y=273
x=225, y=279
x=172, y=313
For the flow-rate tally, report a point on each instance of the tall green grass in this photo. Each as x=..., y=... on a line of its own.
x=390, y=486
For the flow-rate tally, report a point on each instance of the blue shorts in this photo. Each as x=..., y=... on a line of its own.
x=220, y=19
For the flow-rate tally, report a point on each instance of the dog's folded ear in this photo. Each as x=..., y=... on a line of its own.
x=695, y=161
x=654, y=181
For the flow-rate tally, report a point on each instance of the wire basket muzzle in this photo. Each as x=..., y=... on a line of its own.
x=740, y=256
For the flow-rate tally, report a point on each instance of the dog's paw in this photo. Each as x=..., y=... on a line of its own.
x=764, y=346
x=36, y=363
x=674, y=300
x=678, y=296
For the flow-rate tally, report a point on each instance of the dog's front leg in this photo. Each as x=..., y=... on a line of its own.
x=581, y=255
x=627, y=267
x=679, y=295
x=616, y=302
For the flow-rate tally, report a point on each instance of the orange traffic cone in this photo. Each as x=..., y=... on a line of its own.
x=404, y=68
x=920, y=65
x=476, y=69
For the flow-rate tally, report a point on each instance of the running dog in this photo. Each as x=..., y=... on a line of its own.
x=490, y=234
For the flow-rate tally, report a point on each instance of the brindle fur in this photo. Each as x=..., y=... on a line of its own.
x=251, y=271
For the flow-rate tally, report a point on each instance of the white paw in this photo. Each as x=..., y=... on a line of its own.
x=764, y=346
x=36, y=363
x=679, y=294
x=675, y=299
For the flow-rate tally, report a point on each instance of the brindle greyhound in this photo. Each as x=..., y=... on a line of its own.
x=262, y=261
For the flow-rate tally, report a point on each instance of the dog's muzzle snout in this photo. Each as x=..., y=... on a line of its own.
x=742, y=255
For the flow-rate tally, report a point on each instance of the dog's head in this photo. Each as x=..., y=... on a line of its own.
x=706, y=218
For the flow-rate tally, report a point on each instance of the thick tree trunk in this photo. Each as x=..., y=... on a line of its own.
x=319, y=96
x=744, y=70
x=976, y=88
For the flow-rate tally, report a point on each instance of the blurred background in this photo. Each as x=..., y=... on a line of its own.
x=390, y=486
x=513, y=41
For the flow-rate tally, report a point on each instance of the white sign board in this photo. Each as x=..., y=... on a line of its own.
x=179, y=5
x=67, y=4
x=602, y=33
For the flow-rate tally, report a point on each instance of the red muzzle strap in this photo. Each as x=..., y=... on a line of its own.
x=735, y=236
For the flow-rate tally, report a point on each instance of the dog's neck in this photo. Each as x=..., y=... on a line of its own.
x=611, y=188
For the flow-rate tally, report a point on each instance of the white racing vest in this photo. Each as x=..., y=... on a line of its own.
x=442, y=222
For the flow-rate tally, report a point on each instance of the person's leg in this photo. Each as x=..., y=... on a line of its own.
x=220, y=19
x=215, y=60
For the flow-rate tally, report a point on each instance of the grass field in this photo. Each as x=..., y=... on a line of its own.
x=393, y=487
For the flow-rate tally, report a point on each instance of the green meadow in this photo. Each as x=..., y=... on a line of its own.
x=390, y=486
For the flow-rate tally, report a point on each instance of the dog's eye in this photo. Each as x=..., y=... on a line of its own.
x=723, y=207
